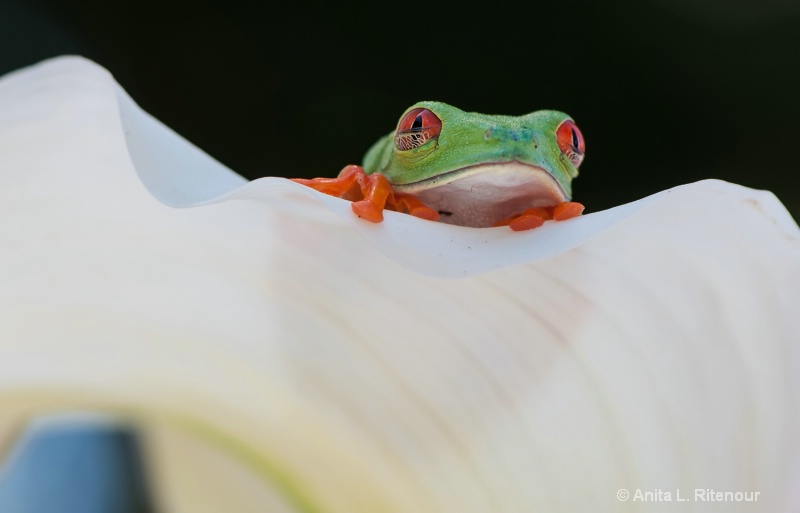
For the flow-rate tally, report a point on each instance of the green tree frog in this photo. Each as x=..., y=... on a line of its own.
x=468, y=169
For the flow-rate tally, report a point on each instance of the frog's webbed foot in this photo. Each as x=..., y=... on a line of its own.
x=370, y=194
x=412, y=205
x=535, y=217
x=567, y=210
x=367, y=192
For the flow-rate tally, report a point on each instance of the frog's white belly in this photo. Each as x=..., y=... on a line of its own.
x=482, y=195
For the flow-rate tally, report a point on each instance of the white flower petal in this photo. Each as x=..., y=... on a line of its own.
x=652, y=346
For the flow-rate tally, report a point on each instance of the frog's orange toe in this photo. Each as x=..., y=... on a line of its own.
x=567, y=210
x=368, y=211
x=526, y=222
x=425, y=213
x=544, y=213
x=411, y=204
x=331, y=186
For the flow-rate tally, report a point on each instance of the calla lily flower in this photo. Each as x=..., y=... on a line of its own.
x=274, y=347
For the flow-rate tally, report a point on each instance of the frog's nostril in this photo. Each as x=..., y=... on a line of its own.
x=488, y=134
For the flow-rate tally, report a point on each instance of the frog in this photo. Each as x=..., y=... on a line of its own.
x=467, y=169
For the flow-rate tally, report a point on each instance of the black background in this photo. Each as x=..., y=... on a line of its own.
x=666, y=92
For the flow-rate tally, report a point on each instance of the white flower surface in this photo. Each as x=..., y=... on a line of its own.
x=404, y=367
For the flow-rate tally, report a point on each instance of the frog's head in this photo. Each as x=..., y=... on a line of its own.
x=475, y=168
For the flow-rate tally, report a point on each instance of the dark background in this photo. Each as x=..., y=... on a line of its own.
x=666, y=92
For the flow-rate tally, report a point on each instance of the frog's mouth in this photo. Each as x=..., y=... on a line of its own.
x=481, y=195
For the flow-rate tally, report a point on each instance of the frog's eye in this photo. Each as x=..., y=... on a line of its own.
x=570, y=140
x=416, y=128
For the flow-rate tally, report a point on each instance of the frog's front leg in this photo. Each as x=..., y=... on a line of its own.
x=535, y=217
x=341, y=186
x=370, y=194
x=369, y=198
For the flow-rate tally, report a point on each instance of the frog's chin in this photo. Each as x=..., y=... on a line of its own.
x=481, y=195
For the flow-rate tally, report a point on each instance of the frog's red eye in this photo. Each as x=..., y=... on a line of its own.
x=416, y=128
x=570, y=140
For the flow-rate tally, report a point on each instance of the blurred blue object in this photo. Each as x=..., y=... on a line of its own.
x=75, y=465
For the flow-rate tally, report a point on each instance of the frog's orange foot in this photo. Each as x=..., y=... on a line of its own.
x=367, y=192
x=370, y=194
x=367, y=210
x=341, y=186
x=567, y=210
x=535, y=217
x=412, y=205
